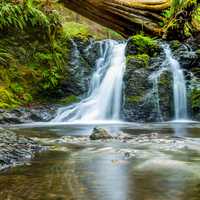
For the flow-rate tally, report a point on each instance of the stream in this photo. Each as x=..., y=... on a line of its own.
x=151, y=161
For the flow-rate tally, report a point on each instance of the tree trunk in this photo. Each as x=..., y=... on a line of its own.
x=124, y=16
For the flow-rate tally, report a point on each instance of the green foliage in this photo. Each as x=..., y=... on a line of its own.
x=180, y=5
x=22, y=16
x=20, y=93
x=5, y=57
x=16, y=88
x=144, y=44
x=34, y=50
x=196, y=18
x=73, y=29
x=143, y=41
x=50, y=78
x=195, y=98
x=52, y=63
x=179, y=17
x=167, y=13
x=7, y=99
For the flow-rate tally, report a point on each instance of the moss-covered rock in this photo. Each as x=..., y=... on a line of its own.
x=141, y=59
x=75, y=30
x=144, y=57
x=69, y=100
x=140, y=98
x=175, y=44
x=140, y=44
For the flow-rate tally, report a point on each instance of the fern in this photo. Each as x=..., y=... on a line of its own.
x=23, y=15
x=5, y=57
x=180, y=5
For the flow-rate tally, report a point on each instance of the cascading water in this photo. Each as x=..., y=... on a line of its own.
x=179, y=86
x=103, y=101
x=155, y=78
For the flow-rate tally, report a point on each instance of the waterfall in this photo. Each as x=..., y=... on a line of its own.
x=103, y=101
x=179, y=86
x=155, y=78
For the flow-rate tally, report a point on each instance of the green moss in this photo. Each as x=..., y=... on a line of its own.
x=175, y=44
x=73, y=30
x=69, y=100
x=144, y=44
x=144, y=58
x=195, y=96
x=134, y=99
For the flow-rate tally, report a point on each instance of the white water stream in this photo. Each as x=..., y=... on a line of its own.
x=179, y=85
x=103, y=101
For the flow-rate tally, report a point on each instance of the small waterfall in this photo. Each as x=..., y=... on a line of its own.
x=155, y=78
x=179, y=86
x=103, y=101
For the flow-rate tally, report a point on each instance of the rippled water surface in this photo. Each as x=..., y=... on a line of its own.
x=157, y=162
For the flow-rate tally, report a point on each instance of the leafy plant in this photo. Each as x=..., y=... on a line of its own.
x=5, y=57
x=16, y=88
x=7, y=99
x=51, y=78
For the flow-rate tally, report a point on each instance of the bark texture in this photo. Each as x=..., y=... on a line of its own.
x=123, y=16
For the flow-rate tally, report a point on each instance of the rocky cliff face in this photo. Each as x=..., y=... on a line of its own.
x=143, y=98
x=82, y=57
x=76, y=73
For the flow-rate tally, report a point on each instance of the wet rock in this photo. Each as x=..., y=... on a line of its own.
x=141, y=102
x=140, y=97
x=82, y=59
x=27, y=115
x=16, y=150
x=100, y=134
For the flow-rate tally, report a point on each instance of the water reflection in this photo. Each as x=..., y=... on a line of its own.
x=107, y=175
x=180, y=130
x=164, y=168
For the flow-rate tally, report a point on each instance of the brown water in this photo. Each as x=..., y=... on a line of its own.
x=163, y=166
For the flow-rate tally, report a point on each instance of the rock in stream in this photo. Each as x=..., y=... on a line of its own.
x=100, y=134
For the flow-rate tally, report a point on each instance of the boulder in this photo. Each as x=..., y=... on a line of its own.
x=100, y=134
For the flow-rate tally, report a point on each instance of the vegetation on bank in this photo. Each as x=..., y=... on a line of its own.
x=31, y=55
x=34, y=50
x=182, y=19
